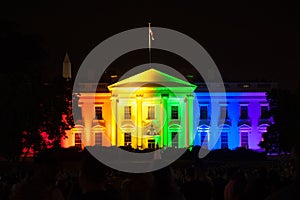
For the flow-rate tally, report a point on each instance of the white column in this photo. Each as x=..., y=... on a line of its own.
x=139, y=100
x=190, y=125
x=165, y=124
x=114, y=119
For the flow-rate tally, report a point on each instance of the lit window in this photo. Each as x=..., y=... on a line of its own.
x=224, y=140
x=175, y=139
x=98, y=139
x=127, y=139
x=197, y=141
x=98, y=112
x=151, y=112
x=203, y=140
x=127, y=112
x=78, y=140
x=244, y=139
x=203, y=112
x=174, y=114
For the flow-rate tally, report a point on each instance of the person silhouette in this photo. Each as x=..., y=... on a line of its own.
x=291, y=191
x=41, y=185
x=164, y=185
x=92, y=180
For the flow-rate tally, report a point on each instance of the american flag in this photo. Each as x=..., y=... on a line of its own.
x=151, y=33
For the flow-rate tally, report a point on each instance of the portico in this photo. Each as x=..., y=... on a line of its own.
x=152, y=109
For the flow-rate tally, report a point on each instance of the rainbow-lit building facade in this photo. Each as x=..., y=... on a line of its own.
x=153, y=109
x=244, y=120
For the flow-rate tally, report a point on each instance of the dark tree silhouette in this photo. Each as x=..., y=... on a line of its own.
x=57, y=111
x=30, y=110
x=20, y=56
x=271, y=141
x=284, y=109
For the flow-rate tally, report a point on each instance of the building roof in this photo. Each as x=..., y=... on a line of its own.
x=152, y=78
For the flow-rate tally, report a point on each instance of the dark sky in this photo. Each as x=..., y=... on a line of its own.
x=248, y=40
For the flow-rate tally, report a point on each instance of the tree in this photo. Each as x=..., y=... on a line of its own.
x=33, y=115
x=21, y=56
x=284, y=109
x=58, y=115
x=54, y=117
x=271, y=141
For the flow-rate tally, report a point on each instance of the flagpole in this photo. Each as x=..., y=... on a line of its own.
x=149, y=37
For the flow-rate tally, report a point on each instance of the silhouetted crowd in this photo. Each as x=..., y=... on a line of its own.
x=47, y=179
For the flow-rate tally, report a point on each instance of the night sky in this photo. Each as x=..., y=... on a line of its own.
x=247, y=40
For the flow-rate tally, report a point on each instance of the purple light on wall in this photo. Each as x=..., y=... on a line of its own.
x=246, y=132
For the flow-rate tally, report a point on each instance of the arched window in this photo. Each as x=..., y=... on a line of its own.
x=263, y=128
x=202, y=136
x=98, y=139
x=223, y=138
x=99, y=132
x=175, y=139
x=127, y=138
x=78, y=140
x=174, y=131
x=244, y=139
x=244, y=131
x=128, y=130
x=78, y=133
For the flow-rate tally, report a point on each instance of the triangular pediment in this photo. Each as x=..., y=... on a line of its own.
x=152, y=78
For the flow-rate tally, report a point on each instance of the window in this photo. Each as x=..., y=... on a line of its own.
x=203, y=112
x=263, y=129
x=127, y=112
x=98, y=112
x=224, y=140
x=151, y=112
x=151, y=144
x=78, y=140
x=223, y=112
x=244, y=112
x=98, y=139
x=127, y=139
x=203, y=140
x=175, y=139
x=244, y=139
x=264, y=110
x=174, y=114
x=197, y=140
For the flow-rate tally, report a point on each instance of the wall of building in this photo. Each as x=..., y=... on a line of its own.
x=234, y=125
x=212, y=126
